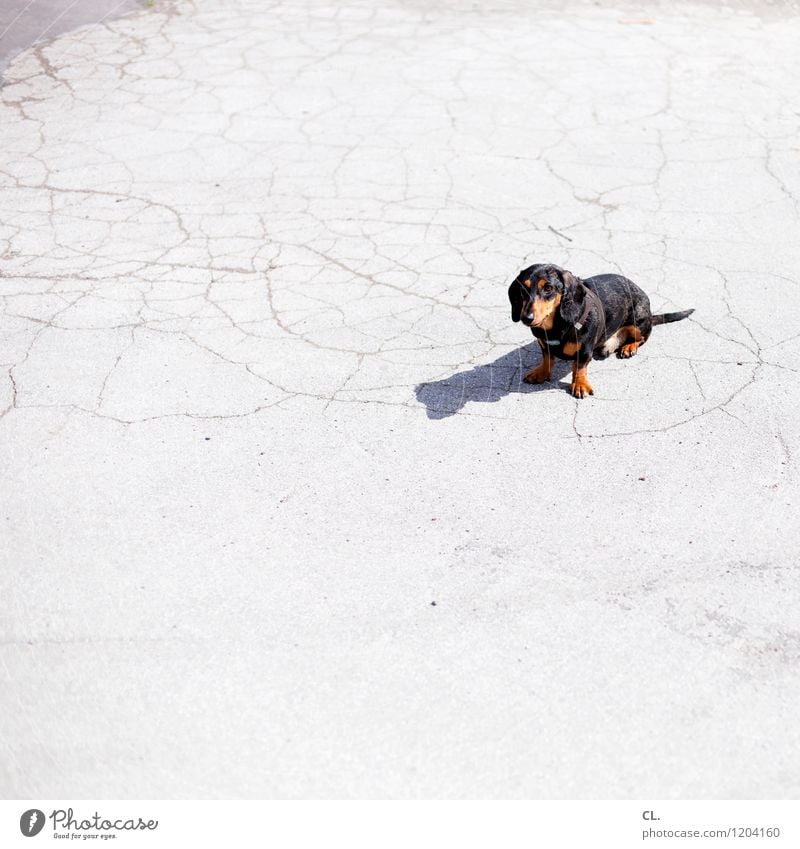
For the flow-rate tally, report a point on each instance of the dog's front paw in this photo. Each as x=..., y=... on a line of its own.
x=581, y=387
x=538, y=375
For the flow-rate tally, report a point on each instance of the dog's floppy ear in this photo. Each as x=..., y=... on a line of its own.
x=572, y=297
x=515, y=296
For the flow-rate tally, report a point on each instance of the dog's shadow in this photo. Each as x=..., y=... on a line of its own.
x=487, y=383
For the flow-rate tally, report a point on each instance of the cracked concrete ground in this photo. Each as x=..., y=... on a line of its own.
x=27, y=22
x=279, y=517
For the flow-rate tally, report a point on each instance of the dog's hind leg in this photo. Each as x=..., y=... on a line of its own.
x=610, y=345
x=631, y=339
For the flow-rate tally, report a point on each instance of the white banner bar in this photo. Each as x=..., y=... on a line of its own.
x=402, y=825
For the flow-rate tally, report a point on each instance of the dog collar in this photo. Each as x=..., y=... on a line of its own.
x=590, y=300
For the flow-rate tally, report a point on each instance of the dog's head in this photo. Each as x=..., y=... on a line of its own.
x=541, y=291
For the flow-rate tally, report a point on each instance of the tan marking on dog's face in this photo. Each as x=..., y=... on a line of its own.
x=544, y=311
x=526, y=284
x=541, y=284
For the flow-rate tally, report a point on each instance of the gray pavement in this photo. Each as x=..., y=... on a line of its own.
x=279, y=516
x=24, y=23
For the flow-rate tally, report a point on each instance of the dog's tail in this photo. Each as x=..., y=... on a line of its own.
x=667, y=317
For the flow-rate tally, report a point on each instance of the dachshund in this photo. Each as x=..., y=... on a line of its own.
x=581, y=320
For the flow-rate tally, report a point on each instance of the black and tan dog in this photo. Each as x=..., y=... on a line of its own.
x=582, y=320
